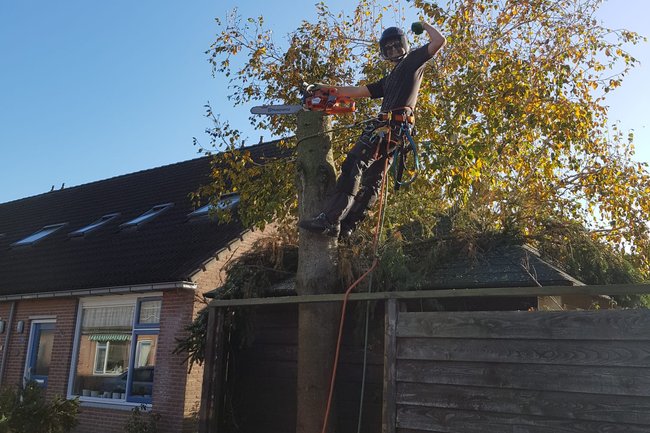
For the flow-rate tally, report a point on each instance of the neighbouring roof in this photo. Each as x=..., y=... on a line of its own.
x=167, y=248
x=506, y=265
x=502, y=265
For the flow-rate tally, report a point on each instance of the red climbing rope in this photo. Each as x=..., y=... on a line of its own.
x=375, y=262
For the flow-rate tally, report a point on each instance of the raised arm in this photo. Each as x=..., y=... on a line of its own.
x=437, y=40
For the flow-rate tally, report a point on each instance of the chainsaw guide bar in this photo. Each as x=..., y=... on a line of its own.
x=276, y=109
x=323, y=99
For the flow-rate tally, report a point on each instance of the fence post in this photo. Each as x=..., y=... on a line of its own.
x=389, y=406
x=211, y=391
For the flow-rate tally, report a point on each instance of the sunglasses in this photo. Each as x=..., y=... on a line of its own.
x=393, y=45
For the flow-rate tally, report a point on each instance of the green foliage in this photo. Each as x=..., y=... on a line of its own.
x=512, y=115
x=25, y=410
x=585, y=257
x=408, y=256
x=142, y=420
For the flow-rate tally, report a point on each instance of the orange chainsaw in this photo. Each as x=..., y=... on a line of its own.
x=324, y=99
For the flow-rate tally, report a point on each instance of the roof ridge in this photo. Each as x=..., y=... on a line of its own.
x=118, y=176
x=134, y=173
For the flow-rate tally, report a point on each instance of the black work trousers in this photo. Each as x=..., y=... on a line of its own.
x=357, y=188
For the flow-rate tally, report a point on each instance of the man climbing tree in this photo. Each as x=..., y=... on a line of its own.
x=364, y=168
x=512, y=119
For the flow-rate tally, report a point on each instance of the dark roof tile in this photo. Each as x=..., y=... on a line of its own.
x=503, y=266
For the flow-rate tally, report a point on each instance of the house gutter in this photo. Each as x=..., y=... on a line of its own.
x=103, y=291
x=229, y=247
x=5, y=347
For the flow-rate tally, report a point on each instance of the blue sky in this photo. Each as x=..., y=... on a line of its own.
x=91, y=90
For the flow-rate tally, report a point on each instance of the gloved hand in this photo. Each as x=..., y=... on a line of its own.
x=417, y=27
x=316, y=86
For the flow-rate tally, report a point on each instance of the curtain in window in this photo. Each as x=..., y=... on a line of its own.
x=107, y=318
x=150, y=312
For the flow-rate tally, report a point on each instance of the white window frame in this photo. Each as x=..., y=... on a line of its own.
x=138, y=351
x=147, y=216
x=106, y=348
x=101, y=301
x=50, y=229
x=95, y=225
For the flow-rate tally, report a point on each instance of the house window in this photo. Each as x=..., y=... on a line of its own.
x=38, y=236
x=100, y=358
x=147, y=216
x=148, y=312
x=226, y=202
x=140, y=384
x=116, y=350
x=110, y=357
x=143, y=353
x=94, y=226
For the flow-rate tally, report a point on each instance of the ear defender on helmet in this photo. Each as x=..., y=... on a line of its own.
x=393, y=44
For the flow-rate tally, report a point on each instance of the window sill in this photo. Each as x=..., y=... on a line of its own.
x=107, y=403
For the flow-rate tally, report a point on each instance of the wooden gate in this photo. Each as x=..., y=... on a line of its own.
x=517, y=372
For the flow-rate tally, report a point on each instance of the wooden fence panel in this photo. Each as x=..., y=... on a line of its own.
x=456, y=421
x=566, y=352
x=555, y=325
x=523, y=372
x=553, y=404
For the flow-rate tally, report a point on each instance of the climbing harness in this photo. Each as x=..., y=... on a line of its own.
x=406, y=122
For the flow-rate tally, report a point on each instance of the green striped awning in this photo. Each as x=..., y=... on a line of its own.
x=109, y=337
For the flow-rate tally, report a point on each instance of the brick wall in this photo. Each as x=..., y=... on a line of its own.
x=101, y=420
x=169, y=387
x=64, y=311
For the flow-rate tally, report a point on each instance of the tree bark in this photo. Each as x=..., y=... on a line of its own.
x=317, y=273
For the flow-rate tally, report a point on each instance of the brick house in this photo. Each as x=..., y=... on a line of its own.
x=98, y=281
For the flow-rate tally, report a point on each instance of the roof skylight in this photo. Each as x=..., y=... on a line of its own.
x=147, y=216
x=93, y=226
x=226, y=202
x=38, y=236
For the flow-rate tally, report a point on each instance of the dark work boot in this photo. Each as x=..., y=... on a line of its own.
x=321, y=225
x=352, y=220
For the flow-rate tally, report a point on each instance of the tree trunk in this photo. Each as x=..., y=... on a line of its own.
x=317, y=273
